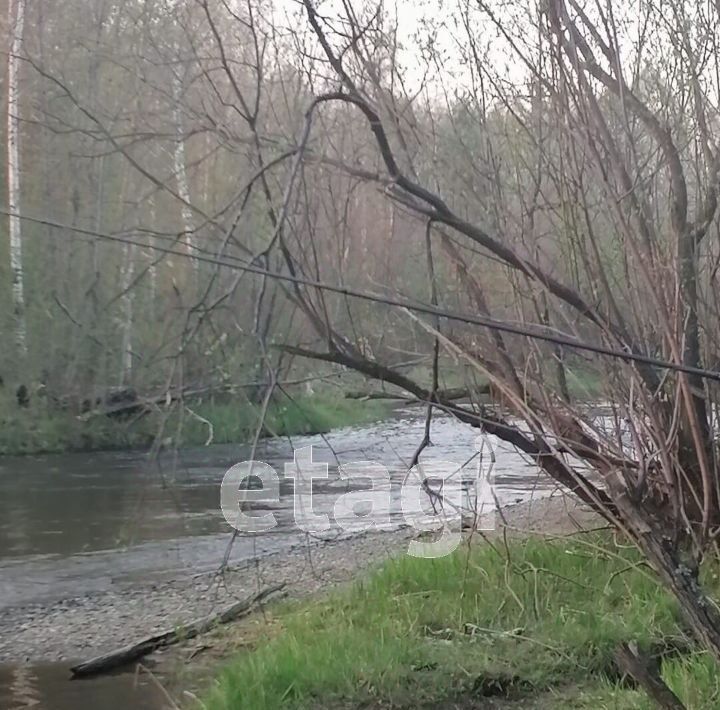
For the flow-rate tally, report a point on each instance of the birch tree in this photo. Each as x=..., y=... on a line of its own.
x=180, y=163
x=16, y=11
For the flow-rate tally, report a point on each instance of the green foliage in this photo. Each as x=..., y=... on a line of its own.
x=41, y=428
x=317, y=413
x=305, y=414
x=537, y=621
x=694, y=679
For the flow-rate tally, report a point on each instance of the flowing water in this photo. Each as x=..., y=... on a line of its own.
x=77, y=524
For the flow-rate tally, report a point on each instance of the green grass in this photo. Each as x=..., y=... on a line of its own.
x=40, y=428
x=693, y=678
x=302, y=415
x=418, y=633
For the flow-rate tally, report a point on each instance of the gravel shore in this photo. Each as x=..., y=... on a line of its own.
x=82, y=627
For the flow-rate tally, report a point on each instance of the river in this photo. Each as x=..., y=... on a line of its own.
x=80, y=524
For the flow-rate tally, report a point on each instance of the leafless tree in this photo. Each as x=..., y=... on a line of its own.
x=595, y=168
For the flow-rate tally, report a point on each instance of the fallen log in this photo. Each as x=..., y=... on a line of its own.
x=450, y=393
x=377, y=395
x=128, y=654
x=107, y=407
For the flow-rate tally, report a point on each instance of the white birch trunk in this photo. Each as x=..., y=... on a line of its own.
x=183, y=186
x=128, y=274
x=152, y=256
x=16, y=23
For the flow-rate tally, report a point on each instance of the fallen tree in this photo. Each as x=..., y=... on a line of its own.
x=133, y=652
x=448, y=394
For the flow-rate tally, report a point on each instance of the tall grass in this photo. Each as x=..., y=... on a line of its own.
x=42, y=428
x=543, y=619
x=301, y=415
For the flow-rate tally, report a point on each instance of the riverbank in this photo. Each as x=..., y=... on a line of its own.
x=525, y=617
x=514, y=621
x=86, y=625
x=42, y=428
x=79, y=626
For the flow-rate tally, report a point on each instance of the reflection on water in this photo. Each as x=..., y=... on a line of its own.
x=71, y=504
x=46, y=687
x=74, y=503
x=76, y=524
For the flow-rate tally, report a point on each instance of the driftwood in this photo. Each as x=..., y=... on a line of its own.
x=137, y=403
x=647, y=674
x=447, y=394
x=104, y=406
x=128, y=654
x=377, y=395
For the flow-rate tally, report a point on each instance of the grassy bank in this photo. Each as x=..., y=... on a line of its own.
x=39, y=428
x=531, y=626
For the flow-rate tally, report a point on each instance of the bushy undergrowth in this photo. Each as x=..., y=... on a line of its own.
x=538, y=622
x=42, y=428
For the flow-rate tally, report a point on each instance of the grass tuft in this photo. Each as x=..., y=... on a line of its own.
x=538, y=624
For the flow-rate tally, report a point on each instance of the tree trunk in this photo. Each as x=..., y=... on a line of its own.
x=679, y=577
x=152, y=257
x=135, y=651
x=128, y=273
x=181, y=176
x=630, y=661
x=16, y=11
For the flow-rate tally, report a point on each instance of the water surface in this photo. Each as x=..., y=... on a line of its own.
x=76, y=524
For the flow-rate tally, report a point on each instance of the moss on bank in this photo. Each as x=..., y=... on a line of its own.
x=40, y=428
x=532, y=626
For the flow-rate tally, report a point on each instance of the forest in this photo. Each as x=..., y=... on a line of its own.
x=227, y=220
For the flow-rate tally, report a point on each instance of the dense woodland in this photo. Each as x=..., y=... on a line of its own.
x=152, y=133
